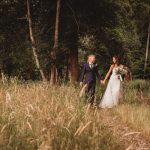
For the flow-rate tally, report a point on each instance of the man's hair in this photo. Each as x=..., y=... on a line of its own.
x=91, y=55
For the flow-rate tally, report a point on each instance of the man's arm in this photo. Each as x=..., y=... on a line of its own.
x=97, y=74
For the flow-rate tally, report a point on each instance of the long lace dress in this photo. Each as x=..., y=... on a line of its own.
x=113, y=91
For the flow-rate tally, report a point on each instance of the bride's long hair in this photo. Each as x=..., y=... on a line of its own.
x=117, y=59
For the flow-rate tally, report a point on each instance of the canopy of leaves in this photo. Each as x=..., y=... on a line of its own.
x=105, y=28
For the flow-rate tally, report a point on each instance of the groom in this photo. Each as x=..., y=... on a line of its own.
x=88, y=77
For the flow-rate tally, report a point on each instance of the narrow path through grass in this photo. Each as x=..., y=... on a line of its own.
x=132, y=138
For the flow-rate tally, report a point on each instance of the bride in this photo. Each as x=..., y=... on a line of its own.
x=113, y=91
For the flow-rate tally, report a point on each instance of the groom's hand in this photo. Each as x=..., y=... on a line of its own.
x=81, y=84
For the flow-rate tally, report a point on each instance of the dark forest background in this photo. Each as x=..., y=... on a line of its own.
x=66, y=31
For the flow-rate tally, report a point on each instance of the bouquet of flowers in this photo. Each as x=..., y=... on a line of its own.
x=121, y=72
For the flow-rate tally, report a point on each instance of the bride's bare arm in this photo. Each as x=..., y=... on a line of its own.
x=108, y=73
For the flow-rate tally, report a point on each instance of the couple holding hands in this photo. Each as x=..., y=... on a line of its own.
x=113, y=92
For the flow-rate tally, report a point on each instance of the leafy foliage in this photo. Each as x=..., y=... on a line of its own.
x=105, y=28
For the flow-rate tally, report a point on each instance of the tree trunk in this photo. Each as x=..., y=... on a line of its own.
x=146, y=53
x=67, y=68
x=3, y=76
x=73, y=55
x=53, y=76
x=34, y=45
x=73, y=65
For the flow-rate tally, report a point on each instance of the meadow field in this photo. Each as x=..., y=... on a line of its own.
x=35, y=116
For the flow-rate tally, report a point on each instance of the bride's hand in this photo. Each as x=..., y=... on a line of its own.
x=102, y=82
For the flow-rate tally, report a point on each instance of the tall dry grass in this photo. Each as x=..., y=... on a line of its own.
x=135, y=107
x=37, y=116
x=138, y=117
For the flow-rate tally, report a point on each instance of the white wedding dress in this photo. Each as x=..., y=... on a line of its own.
x=113, y=91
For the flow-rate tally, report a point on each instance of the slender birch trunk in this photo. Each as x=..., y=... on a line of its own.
x=147, y=50
x=33, y=42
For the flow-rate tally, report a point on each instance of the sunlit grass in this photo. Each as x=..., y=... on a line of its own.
x=37, y=116
x=138, y=117
x=135, y=109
